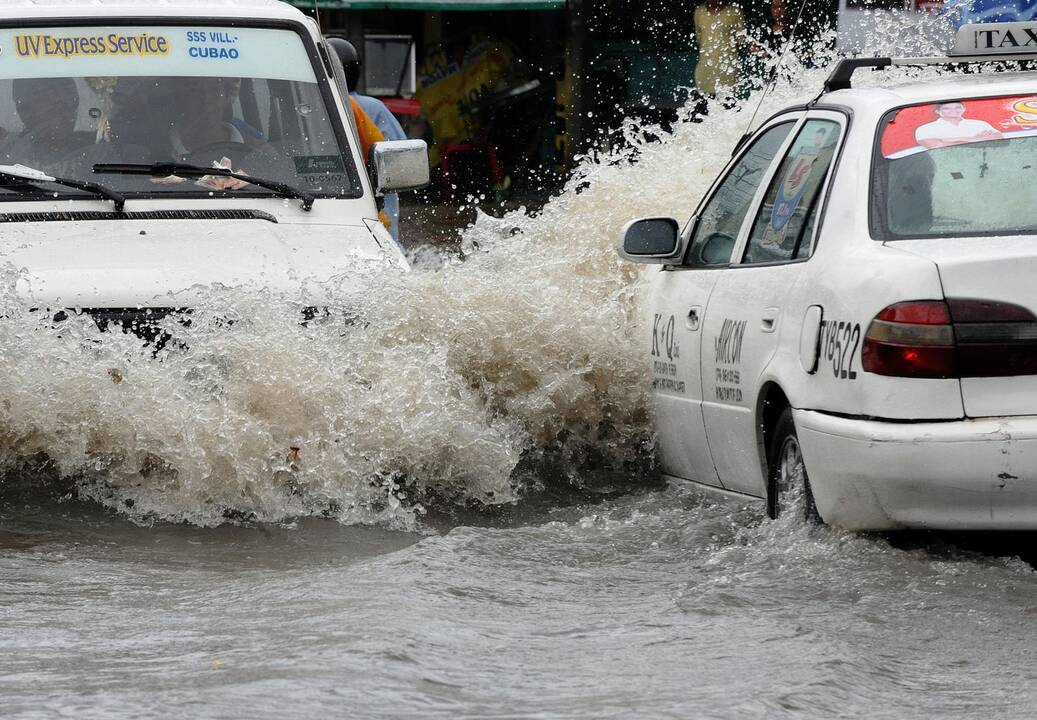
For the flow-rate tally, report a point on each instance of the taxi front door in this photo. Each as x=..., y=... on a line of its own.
x=684, y=294
x=757, y=307
x=676, y=385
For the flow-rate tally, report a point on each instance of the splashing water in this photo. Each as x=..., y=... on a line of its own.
x=414, y=387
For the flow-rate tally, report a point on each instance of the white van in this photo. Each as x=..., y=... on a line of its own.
x=151, y=148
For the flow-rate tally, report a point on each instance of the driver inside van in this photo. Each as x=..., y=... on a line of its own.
x=47, y=108
x=201, y=108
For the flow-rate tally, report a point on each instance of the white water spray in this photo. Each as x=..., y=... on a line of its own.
x=425, y=386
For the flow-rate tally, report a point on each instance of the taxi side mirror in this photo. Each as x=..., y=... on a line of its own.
x=650, y=240
x=400, y=165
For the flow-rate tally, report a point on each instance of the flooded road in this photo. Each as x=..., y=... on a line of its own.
x=273, y=518
x=656, y=604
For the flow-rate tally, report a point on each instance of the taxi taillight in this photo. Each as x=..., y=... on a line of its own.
x=994, y=339
x=962, y=337
x=911, y=339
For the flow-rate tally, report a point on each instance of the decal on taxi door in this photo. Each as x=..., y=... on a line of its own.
x=727, y=354
x=665, y=353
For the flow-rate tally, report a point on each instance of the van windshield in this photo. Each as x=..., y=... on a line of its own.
x=957, y=168
x=245, y=99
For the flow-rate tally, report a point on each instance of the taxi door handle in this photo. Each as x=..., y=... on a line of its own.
x=694, y=317
x=770, y=320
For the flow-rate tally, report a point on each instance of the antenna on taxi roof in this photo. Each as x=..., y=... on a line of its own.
x=316, y=16
x=774, y=73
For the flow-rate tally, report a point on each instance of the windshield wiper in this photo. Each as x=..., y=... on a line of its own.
x=165, y=169
x=28, y=176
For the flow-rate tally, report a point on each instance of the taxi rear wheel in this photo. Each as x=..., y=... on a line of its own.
x=789, y=485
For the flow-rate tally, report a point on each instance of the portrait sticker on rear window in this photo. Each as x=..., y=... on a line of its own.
x=958, y=122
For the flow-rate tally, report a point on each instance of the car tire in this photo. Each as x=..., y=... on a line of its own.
x=788, y=482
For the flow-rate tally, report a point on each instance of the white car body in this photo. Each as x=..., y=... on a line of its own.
x=144, y=259
x=733, y=344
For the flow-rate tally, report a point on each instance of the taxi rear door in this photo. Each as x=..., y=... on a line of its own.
x=757, y=308
x=682, y=295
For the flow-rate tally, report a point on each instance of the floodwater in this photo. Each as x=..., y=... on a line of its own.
x=653, y=604
x=437, y=500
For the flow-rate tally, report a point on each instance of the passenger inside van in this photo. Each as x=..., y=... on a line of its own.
x=47, y=108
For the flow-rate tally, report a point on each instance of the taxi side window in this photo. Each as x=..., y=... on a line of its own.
x=721, y=219
x=785, y=225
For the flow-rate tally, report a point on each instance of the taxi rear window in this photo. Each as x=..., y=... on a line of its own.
x=956, y=168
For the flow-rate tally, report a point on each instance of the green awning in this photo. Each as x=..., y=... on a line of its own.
x=468, y=5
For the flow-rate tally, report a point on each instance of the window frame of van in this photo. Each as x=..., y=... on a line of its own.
x=317, y=61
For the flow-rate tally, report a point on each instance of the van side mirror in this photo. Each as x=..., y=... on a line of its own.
x=650, y=240
x=400, y=165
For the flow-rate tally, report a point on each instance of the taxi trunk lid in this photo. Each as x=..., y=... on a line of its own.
x=990, y=284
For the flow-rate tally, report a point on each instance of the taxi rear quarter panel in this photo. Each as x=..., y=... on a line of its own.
x=851, y=277
x=900, y=469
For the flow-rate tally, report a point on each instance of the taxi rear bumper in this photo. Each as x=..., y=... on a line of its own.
x=958, y=475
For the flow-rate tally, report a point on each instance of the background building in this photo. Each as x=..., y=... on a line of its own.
x=512, y=90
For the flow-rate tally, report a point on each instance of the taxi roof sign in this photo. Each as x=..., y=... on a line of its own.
x=975, y=43
x=1002, y=38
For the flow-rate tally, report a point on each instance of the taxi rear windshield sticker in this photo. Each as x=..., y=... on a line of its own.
x=958, y=122
x=154, y=51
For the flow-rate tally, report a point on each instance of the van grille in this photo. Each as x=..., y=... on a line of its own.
x=142, y=322
x=145, y=322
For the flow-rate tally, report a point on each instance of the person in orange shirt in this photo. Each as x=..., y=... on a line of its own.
x=368, y=131
x=369, y=135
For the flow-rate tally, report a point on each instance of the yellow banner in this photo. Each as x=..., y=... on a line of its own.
x=449, y=91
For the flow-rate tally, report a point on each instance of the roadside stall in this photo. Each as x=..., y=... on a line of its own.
x=481, y=80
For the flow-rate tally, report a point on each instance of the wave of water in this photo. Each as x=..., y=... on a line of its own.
x=430, y=386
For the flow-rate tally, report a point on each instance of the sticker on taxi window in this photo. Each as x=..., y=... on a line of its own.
x=958, y=122
x=794, y=184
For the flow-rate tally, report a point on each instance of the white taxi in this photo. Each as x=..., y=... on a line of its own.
x=853, y=306
x=150, y=149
